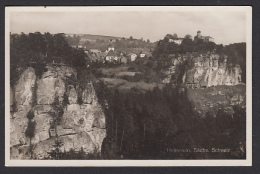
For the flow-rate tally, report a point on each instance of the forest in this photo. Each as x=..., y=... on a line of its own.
x=37, y=50
x=147, y=125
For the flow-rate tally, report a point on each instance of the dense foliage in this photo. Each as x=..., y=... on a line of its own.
x=237, y=55
x=36, y=50
x=150, y=125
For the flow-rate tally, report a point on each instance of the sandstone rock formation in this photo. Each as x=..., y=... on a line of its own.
x=88, y=94
x=207, y=77
x=206, y=71
x=72, y=94
x=24, y=87
x=81, y=126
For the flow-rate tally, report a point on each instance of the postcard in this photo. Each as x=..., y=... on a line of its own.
x=128, y=86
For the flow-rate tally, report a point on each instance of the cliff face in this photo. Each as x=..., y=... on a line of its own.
x=208, y=70
x=80, y=126
x=207, y=77
x=24, y=87
x=202, y=71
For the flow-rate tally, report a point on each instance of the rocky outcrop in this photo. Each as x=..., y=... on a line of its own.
x=18, y=125
x=88, y=94
x=203, y=70
x=207, y=77
x=80, y=126
x=208, y=70
x=24, y=87
x=53, y=84
x=72, y=94
x=49, y=86
x=23, y=97
x=88, y=118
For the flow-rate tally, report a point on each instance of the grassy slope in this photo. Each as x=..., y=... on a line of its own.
x=125, y=85
x=207, y=100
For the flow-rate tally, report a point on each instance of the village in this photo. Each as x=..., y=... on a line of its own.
x=111, y=55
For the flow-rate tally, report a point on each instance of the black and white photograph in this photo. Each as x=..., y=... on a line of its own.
x=128, y=86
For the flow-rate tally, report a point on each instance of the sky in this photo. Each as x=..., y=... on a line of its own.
x=225, y=27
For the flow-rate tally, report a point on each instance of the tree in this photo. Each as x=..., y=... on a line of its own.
x=175, y=36
x=30, y=130
x=65, y=99
x=188, y=36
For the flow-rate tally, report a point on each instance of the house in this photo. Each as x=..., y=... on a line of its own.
x=93, y=57
x=111, y=56
x=132, y=57
x=145, y=54
x=123, y=60
x=95, y=50
x=208, y=39
x=101, y=56
x=78, y=46
x=176, y=40
x=81, y=46
x=142, y=55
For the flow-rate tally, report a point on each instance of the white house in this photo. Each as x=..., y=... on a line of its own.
x=95, y=50
x=133, y=57
x=177, y=41
x=111, y=56
x=142, y=55
x=145, y=54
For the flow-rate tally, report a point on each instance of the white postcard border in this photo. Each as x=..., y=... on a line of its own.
x=85, y=163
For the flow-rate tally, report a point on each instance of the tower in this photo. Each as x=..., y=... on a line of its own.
x=199, y=34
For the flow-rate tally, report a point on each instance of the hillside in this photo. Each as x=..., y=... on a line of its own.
x=208, y=101
x=93, y=38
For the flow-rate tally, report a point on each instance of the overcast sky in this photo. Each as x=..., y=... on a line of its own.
x=224, y=27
